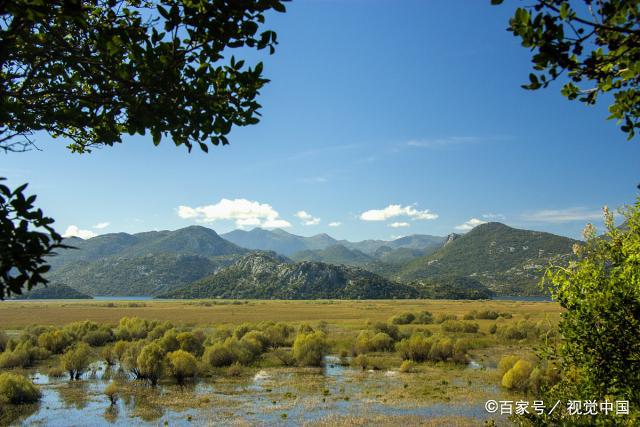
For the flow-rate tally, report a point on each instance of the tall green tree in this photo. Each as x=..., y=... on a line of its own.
x=599, y=350
x=90, y=71
x=593, y=45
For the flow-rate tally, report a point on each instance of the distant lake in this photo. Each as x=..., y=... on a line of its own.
x=123, y=298
x=522, y=298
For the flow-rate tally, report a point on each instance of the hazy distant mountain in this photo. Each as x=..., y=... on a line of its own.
x=278, y=241
x=142, y=264
x=336, y=254
x=193, y=240
x=264, y=276
x=288, y=244
x=507, y=260
x=414, y=241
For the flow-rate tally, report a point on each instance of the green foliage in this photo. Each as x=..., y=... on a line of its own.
x=443, y=317
x=517, y=377
x=55, y=341
x=219, y=355
x=26, y=236
x=599, y=347
x=4, y=340
x=361, y=361
x=309, y=349
x=368, y=341
x=108, y=355
x=407, y=366
x=54, y=291
x=150, y=363
x=22, y=355
x=189, y=342
x=198, y=97
x=402, y=319
x=182, y=364
x=596, y=47
x=16, y=389
x=459, y=326
x=76, y=360
x=421, y=348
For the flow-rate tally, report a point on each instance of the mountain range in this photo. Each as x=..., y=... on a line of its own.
x=502, y=259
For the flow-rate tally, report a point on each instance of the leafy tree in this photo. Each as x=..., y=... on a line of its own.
x=182, y=364
x=310, y=348
x=26, y=237
x=91, y=71
x=76, y=360
x=599, y=349
x=595, y=44
x=17, y=389
x=150, y=362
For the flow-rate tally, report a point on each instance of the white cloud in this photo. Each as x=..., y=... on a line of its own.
x=494, y=216
x=244, y=212
x=563, y=215
x=393, y=211
x=335, y=224
x=307, y=218
x=399, y=224
x=473, y=222
x=101, y=225
x=74, y=231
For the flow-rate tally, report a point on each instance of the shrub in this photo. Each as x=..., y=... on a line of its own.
x=17, y=389
x=159, y=331
x=119, y=348
x=99, y=337
x=107, y=354
x=423, y=318
x=493, y=328
x=470, y=316
x=520, y=330
x=284, y=357
x=442, y=317
x=506, y=315
x=76, y=360
x=487, y=314
x=361, y=361
x=169, y=341
x=441, y=349
x=414, y=348
x=129, y=359
x=407, y=366
x=56, y=372
x=517, y=378
x=14, y=359
x=112, y=391
x=402, y=319
x=150, y=362
x=218, y=355
x=279, y=334
x=190, y=343
x=235, y=370
x=459, y=326
x=309, y=348
x=506, y=363
x=182, y=364
x=55, y=341
x=390, y=329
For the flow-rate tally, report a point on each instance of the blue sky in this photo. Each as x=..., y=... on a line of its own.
x=378, y=113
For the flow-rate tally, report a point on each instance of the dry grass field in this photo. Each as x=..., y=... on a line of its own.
x=18, y=314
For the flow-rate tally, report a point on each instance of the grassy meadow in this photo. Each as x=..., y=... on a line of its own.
x=202, y=362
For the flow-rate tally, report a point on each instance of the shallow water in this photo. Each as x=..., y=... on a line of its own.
x=267, y=397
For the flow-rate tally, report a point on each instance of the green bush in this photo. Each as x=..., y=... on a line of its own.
x=493, y=328
x=390, y=329
x=367, y=342
x=309, y=348
x=442, y=317
x=99, y=337
x=517, y=378
x=402, y=319
x=55, y=341
x=361, y=361
x=459, y=326
x=487, y=314
x=416, y=348
x=218, y=355
x=169, y=341
x=182, y=364
x=190, y=343
x=150, y=362
x=17, y=389
x=423, y=318
x=107, y=354
x=76, y=360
